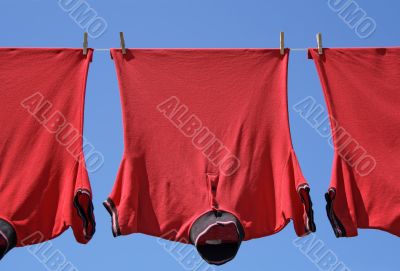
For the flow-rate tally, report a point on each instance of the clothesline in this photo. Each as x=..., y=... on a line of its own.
x=282, y=44
x=298, y=49
x=106, y=50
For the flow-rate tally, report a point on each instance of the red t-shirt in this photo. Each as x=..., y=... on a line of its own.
x=44, y=186
x=361, y=88
x=206, y=129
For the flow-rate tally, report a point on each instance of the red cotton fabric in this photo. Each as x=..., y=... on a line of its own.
x=44, y=186
x=362, y=89
x=206, y=130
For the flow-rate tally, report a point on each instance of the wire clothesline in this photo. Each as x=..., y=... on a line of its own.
x=106, y=49
x=281, y=44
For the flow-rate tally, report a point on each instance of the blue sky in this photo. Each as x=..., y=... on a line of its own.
x=202, y=24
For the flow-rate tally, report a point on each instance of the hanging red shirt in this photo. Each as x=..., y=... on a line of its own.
x=362, y=89
x=208, y=157
x=44, y=186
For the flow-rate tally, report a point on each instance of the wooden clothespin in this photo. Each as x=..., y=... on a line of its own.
x=319, y=44
x=121, y=37
x=85, y=43
x=282, y=43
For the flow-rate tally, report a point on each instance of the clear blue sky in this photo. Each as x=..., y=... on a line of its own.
x=203, y=24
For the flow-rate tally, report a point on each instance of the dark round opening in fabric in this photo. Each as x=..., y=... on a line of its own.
x=217, y=236
x=8, y=237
